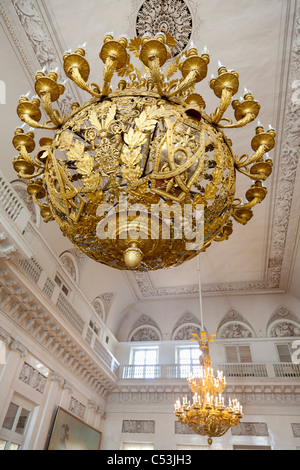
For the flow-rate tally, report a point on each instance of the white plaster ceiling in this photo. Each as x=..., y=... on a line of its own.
x=257, y=39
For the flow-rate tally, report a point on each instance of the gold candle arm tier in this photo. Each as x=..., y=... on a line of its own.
x=30, y=113
x=77, y=68
x=49, y=91
x=115, y=57
x=156, y=75
x=242, y=213
x=224, y=86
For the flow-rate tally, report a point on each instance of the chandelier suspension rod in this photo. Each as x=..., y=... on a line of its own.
x=200, y=294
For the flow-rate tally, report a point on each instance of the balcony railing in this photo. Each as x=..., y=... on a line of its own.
x=177, y=371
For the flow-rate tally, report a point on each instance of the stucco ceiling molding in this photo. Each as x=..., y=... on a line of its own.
x=34, y=40
x=284, y=230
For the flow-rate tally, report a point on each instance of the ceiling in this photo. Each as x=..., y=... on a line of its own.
x=257, y=39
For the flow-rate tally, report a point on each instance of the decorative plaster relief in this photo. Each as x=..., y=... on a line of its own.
x=32, y=377
x=250, y=429
x=138, y=426
x=235, y=330
x=283, y=323
x=296, y=429
x=182, y=428
x=145, y=333
x=77, y=408
x=185, y=332
x=145, y=329
x=70, y=264
x=282, y=329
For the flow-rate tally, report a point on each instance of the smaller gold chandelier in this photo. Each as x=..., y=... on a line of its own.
x=208, y=415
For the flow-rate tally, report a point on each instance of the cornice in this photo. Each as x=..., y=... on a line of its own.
x=248, y=392
x=26, y=310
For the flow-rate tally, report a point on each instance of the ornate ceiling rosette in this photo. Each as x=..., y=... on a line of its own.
x=173, y=17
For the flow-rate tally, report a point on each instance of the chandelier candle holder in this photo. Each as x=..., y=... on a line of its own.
x=207, y=415
x=127, y=173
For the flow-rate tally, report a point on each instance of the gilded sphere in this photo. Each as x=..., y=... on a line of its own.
x=137, y=167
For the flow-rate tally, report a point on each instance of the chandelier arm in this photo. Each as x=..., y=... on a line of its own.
x=156, y=75
x=245, y=161
x=241, y=123
x=75, y=75
x=254, y=177
x=32, y=123
x=189, y=81
x=242, y=216
x=53, y=114
x=24, y=154
x=110, y=67
x=224, y=104
x=26, y=176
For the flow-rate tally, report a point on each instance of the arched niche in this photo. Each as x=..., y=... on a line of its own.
x=145, y=329
x=70, y=264
x=145, y=333
x=283, y=324
x=234, y=325
x=99, y=307
x=185, y=332
x=187, y=324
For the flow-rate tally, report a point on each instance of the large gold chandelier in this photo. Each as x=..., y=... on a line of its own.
x=123, y=172
x=207, y=415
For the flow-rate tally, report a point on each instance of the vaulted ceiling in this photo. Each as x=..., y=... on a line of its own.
x=258, y=39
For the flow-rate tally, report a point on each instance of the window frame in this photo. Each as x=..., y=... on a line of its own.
x=62, y=285
x=144, y=370
x=192, y=366
x=11, y=436
x=289, y=347
x=238, y=353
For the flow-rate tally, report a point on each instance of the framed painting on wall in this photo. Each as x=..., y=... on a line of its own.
x=71, y=433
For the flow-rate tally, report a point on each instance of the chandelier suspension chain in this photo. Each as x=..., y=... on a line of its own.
x=200, y=293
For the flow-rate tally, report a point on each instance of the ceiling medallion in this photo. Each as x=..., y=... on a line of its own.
x=173, y=17
x=140, y=176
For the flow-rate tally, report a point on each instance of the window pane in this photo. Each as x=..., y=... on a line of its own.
x=2, y=444
x=184, y=356
x=137, y=446
x=151, y=356
x=13, y=446
x=139, y=357
x=231, y=354
x=284, y=353
x=10, y=416
x=195, y=356
x=65, y=290
x=245, y=354
x=22, y=421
